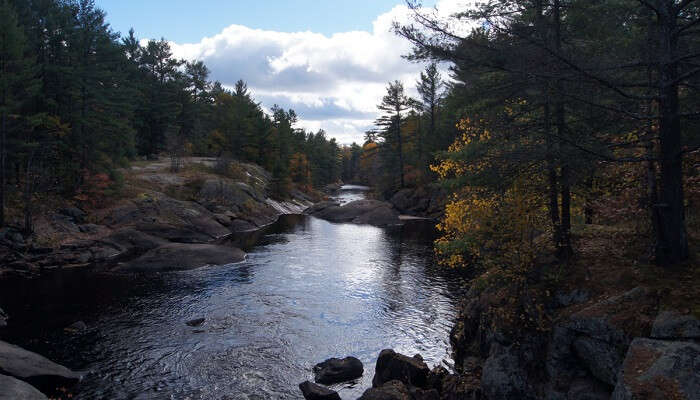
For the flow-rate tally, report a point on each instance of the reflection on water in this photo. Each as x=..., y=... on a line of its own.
x=308, y=291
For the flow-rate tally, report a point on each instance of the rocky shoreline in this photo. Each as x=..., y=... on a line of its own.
x=26, y=375
x=620, y=347
x=146, y=233
x=396, y=377
x=599, y=351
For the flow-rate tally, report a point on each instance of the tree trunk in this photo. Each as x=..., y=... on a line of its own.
x=552, y=178
x=672, y=245
x=565, y=249
x=27, y=197
x=398, y=133
x=3, y=175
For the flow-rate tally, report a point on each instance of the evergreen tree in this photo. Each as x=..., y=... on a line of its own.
x=16, y=86
x=393, y=105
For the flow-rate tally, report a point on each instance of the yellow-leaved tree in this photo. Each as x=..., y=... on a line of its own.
x=494, y=225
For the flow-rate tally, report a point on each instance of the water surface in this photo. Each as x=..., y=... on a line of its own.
x=308, y=291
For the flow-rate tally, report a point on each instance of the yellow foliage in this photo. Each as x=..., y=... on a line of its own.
x=483, y=226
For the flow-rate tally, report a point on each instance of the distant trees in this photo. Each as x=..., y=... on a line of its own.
x=77, y=103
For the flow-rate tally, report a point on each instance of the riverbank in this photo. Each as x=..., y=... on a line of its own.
x=199, y=215
x=310, y=289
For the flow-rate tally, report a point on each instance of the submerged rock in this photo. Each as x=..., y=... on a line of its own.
x=14, y=389
x=181, y=256
x=335, y=370
x=33, y=368
x=195, y=322
x=394, y=366
x=3, y=318
x=312, y=391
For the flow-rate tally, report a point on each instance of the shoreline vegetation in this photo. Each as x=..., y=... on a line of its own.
x=560, y=159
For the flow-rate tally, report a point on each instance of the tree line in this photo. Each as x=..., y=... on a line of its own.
x=78, y=102
x=556, y=112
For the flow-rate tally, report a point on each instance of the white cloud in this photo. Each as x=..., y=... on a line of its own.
x=333, y=82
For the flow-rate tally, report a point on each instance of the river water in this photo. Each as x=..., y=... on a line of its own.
x=309, y=290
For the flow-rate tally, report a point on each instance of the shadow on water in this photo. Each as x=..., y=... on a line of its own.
x=309, y=290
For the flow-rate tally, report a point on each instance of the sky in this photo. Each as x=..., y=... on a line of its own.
x=329, y=60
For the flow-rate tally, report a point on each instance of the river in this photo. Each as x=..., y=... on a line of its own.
x=309, y=290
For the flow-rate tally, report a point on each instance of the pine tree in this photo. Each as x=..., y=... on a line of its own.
x=394, y=104
x=17, y=85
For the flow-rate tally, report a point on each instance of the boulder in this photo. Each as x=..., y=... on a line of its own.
x=393, y=390
x=318, y=207
x=76, y=214
x=14, y=389
x=397, y=390
x=659, y=370
x=312, y=391
x=403, y=200
x=181, y=256
x=394, y=366
x=602, y=359
x=588, y=389
x=335, y=370
x=504, y=374
x=673, y=325
x=380, y=216
x=593, y=341
x=3, y=318
x=33, y=368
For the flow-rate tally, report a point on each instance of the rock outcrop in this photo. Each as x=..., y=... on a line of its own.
x=172, y=218
x=180, y=256
x=423, y=201
x=368, y=212
x=602, y=349
x=14, y=389
x=33, y=368
x=659, y=370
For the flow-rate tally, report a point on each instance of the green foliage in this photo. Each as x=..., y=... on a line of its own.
x=78, y=102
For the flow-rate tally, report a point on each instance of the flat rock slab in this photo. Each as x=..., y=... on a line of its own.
x=183, y=256
x=312, y=391
x=659, y=370
x=335, y=370
x=14, y=389
x=371, y=212
x=31, y=367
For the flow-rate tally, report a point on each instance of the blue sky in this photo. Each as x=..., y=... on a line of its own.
x=329, y=60
x=185, y=21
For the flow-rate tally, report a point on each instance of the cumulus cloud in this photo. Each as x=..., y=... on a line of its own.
x=333, y=82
